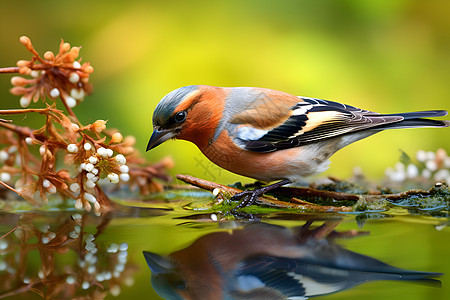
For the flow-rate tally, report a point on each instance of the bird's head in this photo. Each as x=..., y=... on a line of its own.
x=186, y=113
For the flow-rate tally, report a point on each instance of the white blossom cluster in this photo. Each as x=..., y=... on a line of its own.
x=430, y=165
x=92, y=167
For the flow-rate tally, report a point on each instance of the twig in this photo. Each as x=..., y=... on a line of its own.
x=9, y=70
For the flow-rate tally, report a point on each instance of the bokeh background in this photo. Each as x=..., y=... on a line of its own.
x=382, y=55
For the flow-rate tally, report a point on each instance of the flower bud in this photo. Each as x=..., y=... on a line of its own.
x=71, y=102
x=72, y=148
x=19, y=81
x=116, y=138
x=98, y=126
x=54, y=93
x=49, y=55
x=25, y=101
x=113, y=177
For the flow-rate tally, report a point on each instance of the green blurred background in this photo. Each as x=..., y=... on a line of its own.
x=382, y=55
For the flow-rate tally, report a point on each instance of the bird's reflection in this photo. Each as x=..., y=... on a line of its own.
x=263, y=261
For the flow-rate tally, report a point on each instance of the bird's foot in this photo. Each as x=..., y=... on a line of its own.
x=250, y=196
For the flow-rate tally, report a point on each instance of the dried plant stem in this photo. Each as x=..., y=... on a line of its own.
x=25, y=111
x=9, y=70
x=9, y=187
x=25, y=131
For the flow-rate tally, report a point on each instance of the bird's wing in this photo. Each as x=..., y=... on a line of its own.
x=309, y=120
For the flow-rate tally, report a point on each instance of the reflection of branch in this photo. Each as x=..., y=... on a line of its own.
x=9, y=232
x=265, y=200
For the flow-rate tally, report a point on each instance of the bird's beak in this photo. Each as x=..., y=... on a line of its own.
x=158, y=137
x=158, y=264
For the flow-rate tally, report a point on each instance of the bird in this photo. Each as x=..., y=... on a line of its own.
x=266, y=261
x=270, y=135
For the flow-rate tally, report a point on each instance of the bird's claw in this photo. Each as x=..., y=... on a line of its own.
x=248, y=198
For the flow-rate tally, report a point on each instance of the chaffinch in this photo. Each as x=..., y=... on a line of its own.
x=267, y=134
x=263, y=261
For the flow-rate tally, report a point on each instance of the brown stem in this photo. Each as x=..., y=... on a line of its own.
x=10, y=188
x=17, y=129
x=24, y=111
x=9, y=70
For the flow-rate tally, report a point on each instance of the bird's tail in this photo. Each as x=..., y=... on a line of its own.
x=416, y=119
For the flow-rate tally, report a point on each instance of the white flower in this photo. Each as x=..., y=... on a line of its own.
x=102, y=152
x=123, y=247
x=70, y=279
x=113, y=177
x=46, y=183
x=51, y=189
x=35, y=73
x=78, y=204
x=442, y=175
x=71, y=102
x=426, y=173
x=113, y=248
x=29, y=141
x=85, y=285
x=5, y=176
x=124, y=169
x=120, y=159
x=75, y=127
x=74, y=77
x=25, y=101
x=431, y=165
x=76, y=64
x=3, y=155
x=77, y=94
x=87, y=146
x=93, y=160
x=90, y=197
x=412, y=171
x=89, y=167
x=421, y=156
x=431, y=155
x=124, y=177
x=89, y=184
x=54, y=93
x=99, y=277
x=94, y=171
x=42, y=150
x=109, y=152
x=72, y=148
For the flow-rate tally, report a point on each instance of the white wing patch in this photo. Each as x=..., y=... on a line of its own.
x=302, y=110
x=249, y=282
x=250, y=133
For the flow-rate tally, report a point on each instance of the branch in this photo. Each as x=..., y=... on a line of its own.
x=265, y=200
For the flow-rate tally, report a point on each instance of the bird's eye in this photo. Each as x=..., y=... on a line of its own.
x=180, y=285
x=180, y=116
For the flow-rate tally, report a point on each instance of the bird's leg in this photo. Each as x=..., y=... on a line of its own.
x=251, y=196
